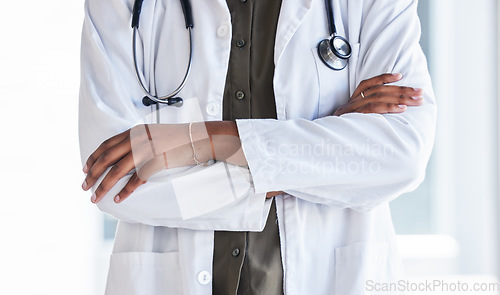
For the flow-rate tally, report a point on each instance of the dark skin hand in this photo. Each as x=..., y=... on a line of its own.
x=380, y=98
x=132, y=150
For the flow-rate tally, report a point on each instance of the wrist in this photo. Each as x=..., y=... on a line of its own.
x=226, y=142
x=222, y=128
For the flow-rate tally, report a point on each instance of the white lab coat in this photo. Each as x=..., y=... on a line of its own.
x=339, y=173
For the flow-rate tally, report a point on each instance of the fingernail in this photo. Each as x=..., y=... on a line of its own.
x=117, y=199
x=417, y=98
x=417, y=89
x=398, y=75
x=84, y=185
x=93, y=198
x=402, y=106
x=85, y=168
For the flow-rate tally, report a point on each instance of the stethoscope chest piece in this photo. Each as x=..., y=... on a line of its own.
x=335, y=52
x=172, y=101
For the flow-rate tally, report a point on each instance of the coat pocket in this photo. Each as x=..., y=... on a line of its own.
x=144, y=273
x=359, y=265
x=334, y=86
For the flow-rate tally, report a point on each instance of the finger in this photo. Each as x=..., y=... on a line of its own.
x=134, y=182
x=106, y=158
x=347, y=108
x=378, y=80
x=387, y=98
x=381, y=108
x=104, y=146
x=117, y=172
x=141, y=176
x=402, y=91
x=378, y=98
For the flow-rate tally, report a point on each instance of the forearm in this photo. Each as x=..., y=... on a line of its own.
x=224, y=142
x=209, y=205
x=225, y=145
x=356, y=160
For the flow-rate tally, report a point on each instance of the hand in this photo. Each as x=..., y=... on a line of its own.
x=148, y=149
x=373, y=96
x=143, y=148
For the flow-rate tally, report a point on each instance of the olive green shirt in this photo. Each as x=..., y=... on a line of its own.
x=250, y=262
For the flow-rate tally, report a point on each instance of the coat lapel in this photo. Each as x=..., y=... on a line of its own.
x=291, y=16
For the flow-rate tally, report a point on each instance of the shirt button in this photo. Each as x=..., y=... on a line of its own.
x=222, y=31
x=240, y=43
x=240, y=95
x=213, y=108
x=204, y=277
x=235, y=252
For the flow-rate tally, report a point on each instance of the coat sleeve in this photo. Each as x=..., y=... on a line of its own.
x=216, y=198
x=356, y=160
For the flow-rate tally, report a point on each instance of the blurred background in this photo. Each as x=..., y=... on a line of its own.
x=54, y=241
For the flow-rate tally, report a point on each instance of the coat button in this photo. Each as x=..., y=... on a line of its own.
x=204, y=277
x=222, y=31
x=235, y=252
x=240, y=95
x=213, y=108
x=240, y=43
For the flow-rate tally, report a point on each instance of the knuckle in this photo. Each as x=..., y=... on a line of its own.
x=105, y=143
x=116, y=169
x=364, y=83
x=406, y=90
x=91, y=159
x=105, y=156
x=378, y=108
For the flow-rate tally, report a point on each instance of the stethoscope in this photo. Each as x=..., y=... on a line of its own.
x=333, y=51
x=168, y=99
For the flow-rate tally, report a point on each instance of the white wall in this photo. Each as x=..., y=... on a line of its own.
x=463, y=179
x=465, y=77
x=48, y=227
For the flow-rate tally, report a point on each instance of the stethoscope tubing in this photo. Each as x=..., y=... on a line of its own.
x=168, y=99
x=332, y=54
x=162, y=99
x=326, y=50
x=332, y=29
